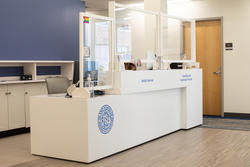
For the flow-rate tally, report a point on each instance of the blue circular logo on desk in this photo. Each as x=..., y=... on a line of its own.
x=105, y=119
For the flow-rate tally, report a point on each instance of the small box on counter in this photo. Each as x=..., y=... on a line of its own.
x=26, y=77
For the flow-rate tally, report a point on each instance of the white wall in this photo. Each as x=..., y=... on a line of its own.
x=236, y=29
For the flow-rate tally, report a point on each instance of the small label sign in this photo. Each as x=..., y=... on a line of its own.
x=186, y=77
x=85, y=19
x=86, y=51
x=147, y=80
x=229, y=46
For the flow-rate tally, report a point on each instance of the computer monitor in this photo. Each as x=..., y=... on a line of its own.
x=76, y=72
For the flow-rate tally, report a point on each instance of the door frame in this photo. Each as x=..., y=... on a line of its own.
x=222, y=55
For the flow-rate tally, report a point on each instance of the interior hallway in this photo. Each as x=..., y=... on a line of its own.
x=199, y=147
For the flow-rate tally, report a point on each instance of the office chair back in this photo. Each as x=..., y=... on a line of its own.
x=56, y=85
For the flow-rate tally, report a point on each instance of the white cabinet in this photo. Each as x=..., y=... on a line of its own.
x=15, y=93
x=4, y=123
x=16, y=106
x=32, y=90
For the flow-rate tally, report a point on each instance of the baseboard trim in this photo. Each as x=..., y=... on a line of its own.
x=13, y=132
x=237, y=115
x=211, y=116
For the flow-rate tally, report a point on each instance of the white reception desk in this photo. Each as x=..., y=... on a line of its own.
x=143, y=106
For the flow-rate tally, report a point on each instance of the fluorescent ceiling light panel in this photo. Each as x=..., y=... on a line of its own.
x=178, y=1
x=137, y=5
x=119, y=9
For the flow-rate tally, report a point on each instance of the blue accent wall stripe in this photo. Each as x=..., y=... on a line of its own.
x=48, y=70
x=11, y=71
x=39, y=29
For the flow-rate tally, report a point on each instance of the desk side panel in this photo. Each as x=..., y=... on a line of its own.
x=59, y=127
x=194, y=101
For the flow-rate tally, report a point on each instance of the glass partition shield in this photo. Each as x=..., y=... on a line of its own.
x=95, y=51
x=136, y=36
x=178, y=37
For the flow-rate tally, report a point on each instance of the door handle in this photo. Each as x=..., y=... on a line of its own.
x=218, y=72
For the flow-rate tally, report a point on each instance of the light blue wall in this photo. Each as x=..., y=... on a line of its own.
x=39, y=29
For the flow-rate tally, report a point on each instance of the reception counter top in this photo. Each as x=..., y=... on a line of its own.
x=143, y=106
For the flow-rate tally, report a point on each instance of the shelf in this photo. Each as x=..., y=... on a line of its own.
x=31, y=68
x=20, y=82
x=100, y=87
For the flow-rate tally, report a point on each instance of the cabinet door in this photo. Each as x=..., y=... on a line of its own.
x=3, y=109
x=16, y=106
x=32, y=90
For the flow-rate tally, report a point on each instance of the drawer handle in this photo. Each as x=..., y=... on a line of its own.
x=26, y=93
x=8, y=93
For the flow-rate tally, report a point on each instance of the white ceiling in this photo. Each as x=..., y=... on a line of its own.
x=102, y=5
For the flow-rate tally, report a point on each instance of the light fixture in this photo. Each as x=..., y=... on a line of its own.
x=119, y=9
x=178, y=1
x=137, y=5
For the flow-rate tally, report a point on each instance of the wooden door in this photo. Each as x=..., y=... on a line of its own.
x=187, y=39
x=208, y=53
